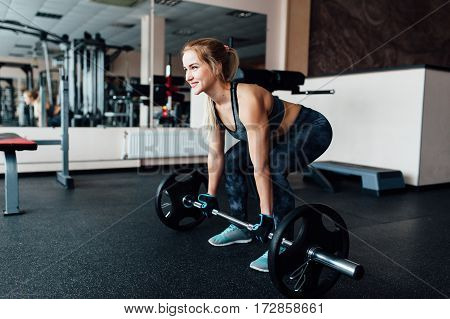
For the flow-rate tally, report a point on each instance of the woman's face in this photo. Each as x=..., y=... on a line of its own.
x=28, y=100
x=198, y=73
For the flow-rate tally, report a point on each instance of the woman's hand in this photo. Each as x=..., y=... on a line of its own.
x=209, y=202
x=265, y=226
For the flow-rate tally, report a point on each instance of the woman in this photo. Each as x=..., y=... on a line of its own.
x=275, y=138
x=31, y=98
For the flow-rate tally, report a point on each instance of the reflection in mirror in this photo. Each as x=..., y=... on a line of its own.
x=103, y=62
x=245, y=31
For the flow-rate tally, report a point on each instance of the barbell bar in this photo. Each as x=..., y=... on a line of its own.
x=317, y=254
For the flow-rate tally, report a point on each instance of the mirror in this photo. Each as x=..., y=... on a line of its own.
x=113, y=55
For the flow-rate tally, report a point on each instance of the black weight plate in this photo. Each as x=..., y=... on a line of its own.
x=169, y=196
x=307, y=226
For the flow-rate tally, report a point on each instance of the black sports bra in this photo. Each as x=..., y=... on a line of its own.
x=240, y=133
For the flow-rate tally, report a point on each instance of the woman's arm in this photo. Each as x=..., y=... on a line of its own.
x=255, y=119
x=216, y=159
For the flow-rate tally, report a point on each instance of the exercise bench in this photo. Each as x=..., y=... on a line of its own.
x=374, y=180
x=9, y=144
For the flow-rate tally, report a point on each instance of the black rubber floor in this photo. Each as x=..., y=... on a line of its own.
x=104, y=240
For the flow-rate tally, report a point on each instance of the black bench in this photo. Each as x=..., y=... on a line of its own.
x=9, y=144
x=374, y=180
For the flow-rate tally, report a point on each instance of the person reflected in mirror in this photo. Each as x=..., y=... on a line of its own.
x=32, y=108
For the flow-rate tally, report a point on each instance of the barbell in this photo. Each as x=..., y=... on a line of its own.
x=307, y=253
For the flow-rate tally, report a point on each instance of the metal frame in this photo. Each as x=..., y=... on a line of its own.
x=11, y=184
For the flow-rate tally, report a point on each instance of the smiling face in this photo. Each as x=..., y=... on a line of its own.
x=199, y=74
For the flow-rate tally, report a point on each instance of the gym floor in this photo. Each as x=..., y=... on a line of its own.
x=104, y=240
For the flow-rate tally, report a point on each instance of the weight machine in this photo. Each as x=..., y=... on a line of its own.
x=63, y=176
x=87, y=64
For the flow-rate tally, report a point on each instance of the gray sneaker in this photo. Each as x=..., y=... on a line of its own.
x=261, y=264
x=231, y=235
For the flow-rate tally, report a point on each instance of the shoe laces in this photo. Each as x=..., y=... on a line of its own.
x=230, y=229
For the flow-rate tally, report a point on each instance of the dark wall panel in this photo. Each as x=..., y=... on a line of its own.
x=360, y=34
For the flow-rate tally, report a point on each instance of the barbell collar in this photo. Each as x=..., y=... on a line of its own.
x=344, y=266
x=284, y=242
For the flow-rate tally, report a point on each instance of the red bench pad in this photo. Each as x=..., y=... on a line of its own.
x=13, y=142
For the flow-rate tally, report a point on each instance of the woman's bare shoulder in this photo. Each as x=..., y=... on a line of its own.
x=251, y=91
x=255, y=101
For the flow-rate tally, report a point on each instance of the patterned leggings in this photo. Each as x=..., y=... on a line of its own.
x=307, y=139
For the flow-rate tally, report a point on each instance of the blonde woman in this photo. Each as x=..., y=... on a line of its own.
x=31, y=98
x=275, y=138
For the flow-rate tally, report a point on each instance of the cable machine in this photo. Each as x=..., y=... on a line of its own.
x=63, y=176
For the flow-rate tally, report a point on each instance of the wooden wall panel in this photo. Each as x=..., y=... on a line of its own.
x=350, y=35
x=298, y=35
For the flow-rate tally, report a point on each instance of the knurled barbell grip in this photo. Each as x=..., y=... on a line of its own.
x=232, y=219
x=189, y=201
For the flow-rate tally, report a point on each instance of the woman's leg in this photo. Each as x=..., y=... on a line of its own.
x=306, y=140
x=283, y=199
x=312, y=139
x=237, y=164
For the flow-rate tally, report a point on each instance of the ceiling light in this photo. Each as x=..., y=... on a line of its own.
x=169, y=3
x=240, y=14
x=184, y=32
x=23, y=46
x=48, y=15
x=123, y=25
x=120, y=3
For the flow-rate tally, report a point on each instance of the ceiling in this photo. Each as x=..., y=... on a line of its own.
x=121, y=25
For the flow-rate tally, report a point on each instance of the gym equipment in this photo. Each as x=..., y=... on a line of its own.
x=169, y=199
x=321, y=239
x=374, y=180
x=122, y=113
x=307, y=253
x=7, y=101
x=26, y=68
x=9, y=144
x=277, y=81
x=87, y=62
x=86, y=65
x=63, y=41
x=8, y=97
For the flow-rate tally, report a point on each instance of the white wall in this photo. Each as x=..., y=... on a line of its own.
x=376, y=118
x=17, y=73
x=103, y=148
x=435, y=149
x=126, y=64
x=158, y=47
x=89, y=148
x=276, y=11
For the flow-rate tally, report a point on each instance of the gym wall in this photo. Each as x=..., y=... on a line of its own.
x=344, y=31
x=127, y=64
x=17, y=73
x=297, y=45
